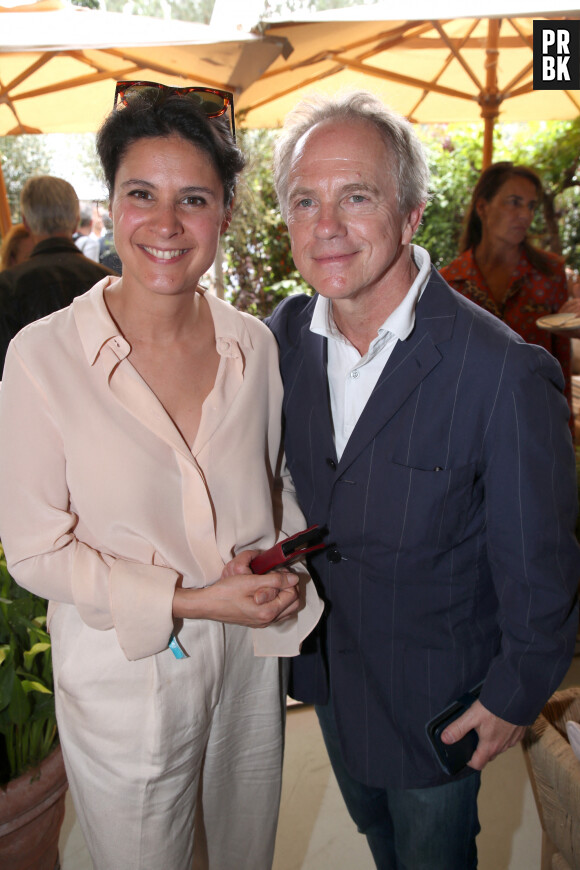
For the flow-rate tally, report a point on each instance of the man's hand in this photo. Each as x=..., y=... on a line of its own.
x=495, y=734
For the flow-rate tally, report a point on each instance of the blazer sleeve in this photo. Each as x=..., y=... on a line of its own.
x=531, y=508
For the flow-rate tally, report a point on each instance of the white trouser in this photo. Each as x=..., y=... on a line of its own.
x=137, y=737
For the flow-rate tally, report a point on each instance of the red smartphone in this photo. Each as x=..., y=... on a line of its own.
x=286, y=551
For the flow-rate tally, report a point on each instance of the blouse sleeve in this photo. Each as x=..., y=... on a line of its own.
x=37, y=528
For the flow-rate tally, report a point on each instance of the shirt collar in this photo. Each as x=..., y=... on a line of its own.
x=97, y=328
x=399, y=323
x=54, y=244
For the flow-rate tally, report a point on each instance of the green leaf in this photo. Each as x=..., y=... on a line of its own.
x=7, y=680
x=34, y=686
x=30, y=655
x=19, y=707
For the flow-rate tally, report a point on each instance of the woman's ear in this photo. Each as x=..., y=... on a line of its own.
x=226, y=221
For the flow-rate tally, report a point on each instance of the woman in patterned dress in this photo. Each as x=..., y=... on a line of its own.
x=499, y=268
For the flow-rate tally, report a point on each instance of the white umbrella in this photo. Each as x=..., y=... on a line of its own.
x=433, y=61
x=58, y=65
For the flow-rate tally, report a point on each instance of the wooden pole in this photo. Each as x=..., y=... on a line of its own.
x=490, y=99
x=5, y=217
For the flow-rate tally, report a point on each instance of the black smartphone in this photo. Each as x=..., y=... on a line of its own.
x=454, y=756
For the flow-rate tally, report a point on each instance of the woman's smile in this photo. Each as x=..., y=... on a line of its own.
x=168, y=211
x=161, y=254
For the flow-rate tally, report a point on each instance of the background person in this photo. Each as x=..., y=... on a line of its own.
x=108, y=255
x=433, y=442
x=85, y=239
x=16, y=246
x=55, y=271
x=499, y=268
x=139, y=445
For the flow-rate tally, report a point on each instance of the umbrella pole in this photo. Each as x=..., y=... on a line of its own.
x=5, y=216
x=489, y=122
x=490, y=98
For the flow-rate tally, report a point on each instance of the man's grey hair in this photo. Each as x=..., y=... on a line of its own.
x=86, y=215
x=49, y=206
x=411, y=172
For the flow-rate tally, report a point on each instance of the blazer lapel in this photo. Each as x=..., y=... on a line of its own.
x=317, y=399
x=410, y=362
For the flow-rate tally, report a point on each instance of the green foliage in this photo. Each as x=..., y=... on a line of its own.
x=553, y=150
x=27, y=717
x=22, y=156
x=455, y=157
x=259, y=271
x=180, y=10
x=276, y=9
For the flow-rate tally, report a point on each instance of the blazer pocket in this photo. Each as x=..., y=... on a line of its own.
x=434, y=505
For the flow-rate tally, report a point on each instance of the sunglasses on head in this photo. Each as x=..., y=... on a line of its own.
x=213, y=103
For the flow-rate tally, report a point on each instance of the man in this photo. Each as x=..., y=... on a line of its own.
x=56, y=270
x=85, y=238
x=432, y=442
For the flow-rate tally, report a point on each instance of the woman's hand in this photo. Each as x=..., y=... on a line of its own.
x=254, y=600
x=240, y=564
x=571, y=306
x=573, y=280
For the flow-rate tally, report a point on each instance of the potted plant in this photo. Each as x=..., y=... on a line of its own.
x=32, y=777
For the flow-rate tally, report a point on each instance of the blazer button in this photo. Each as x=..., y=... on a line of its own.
x=333, y=555
x=331, y=463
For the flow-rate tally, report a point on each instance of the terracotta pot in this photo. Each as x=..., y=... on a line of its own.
x=31, y=814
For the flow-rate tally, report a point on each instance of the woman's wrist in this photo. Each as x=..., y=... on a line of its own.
x=188, y=603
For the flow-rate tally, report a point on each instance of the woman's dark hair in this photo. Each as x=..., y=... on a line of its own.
x=490, y=181
x=163, y=115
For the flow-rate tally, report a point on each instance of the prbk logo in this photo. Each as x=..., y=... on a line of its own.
x=556, y=55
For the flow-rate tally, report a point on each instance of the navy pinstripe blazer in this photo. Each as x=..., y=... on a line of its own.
x=451, y=517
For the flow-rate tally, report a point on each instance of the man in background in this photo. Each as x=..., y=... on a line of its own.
x=56, y=270
x=85, y=239
x=433, y=444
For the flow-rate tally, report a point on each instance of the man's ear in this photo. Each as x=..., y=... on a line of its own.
x=411, y=223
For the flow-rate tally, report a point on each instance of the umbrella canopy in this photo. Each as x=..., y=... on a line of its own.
x=452, y=68
x=58, y=66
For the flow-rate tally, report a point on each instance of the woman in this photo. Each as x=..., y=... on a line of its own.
x=16, y=246
x=139, y=442
x=500, y=270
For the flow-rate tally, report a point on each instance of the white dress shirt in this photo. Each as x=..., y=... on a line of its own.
x=352, y=377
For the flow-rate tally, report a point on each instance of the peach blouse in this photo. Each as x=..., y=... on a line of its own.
x=104, y=505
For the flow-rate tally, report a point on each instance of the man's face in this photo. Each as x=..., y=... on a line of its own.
x=346, y=231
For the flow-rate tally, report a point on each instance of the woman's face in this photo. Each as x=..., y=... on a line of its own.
x=168, y=214
x=507, y=216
